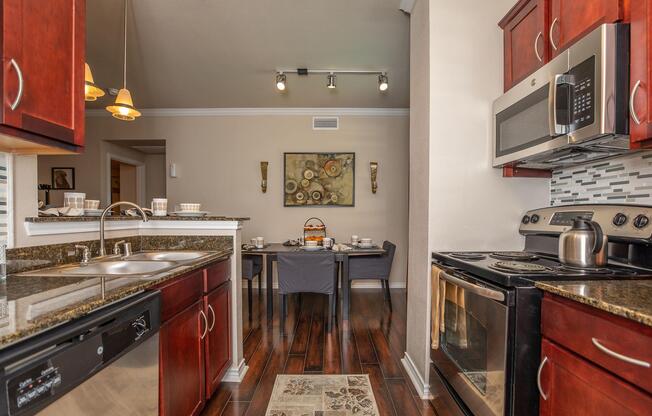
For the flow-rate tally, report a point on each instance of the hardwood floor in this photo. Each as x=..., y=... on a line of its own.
x=372, y=342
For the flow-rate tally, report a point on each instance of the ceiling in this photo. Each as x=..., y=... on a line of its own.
x=223, y=53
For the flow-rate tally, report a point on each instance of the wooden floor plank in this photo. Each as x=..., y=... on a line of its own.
x=315, y=353
x=302, y=331
x=332, y=352
x=383, y=400
x=388, y=363
x=235, y=409
x=350, y=358
x=402, y=398
x=275, y=366
x=294, y=364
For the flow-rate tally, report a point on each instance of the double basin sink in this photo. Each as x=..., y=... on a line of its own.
x=135, y=265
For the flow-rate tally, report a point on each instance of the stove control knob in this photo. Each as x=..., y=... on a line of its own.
x=526, y=219
x=641, y=221
x=619, y=220
x=534, y=219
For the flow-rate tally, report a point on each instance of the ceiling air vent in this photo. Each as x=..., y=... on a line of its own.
x=325, y=123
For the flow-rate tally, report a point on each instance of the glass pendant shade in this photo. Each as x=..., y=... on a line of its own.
x=123, y=108
x=91, y=91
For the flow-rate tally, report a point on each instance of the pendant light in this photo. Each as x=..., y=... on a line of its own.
x=123, y=108
x=91, y=91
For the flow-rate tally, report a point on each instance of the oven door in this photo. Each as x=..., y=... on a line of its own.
x=473, y=341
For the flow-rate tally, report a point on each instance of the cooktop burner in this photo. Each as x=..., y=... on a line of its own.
x=468, y=256
x=514, y=255
x=515, y=266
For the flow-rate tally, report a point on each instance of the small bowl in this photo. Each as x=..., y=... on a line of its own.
x=91, y=204
x=188, y=207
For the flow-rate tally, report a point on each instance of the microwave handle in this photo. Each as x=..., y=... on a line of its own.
x=485, y=292
x=553, y=126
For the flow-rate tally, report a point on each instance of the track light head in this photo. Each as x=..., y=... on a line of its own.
x=331, y=81
x=281, y=80
x=383, y=83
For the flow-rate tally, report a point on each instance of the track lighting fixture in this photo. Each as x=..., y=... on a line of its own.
x=281, y=79
x=331, y=76
x=330, y=83
x=382, y=82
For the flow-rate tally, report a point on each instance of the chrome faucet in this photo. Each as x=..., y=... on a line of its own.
x=107, y=209
x=86, y=254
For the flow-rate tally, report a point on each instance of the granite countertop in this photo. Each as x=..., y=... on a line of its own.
x=630, y=299
x=128, y=217
x=30, y=305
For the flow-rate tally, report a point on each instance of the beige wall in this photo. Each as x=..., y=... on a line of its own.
x=155, y=177
x=218, y=163
x=471, y=206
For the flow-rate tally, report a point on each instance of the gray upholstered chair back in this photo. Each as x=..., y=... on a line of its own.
x=251, y=266
x=306, y=272
x=390, y=248
x=373, y=267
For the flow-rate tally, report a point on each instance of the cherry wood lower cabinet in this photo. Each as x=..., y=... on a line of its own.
x=578, y=376
x=195, y=338
x=182, y=363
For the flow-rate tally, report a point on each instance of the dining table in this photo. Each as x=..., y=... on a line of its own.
x=271, y=250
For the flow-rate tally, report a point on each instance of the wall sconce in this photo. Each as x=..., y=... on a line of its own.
x=373, y=166
x=263, y=173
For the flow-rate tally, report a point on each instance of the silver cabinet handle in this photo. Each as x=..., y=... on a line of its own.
x=552, y=26
x=632, y=109
x=539, y=371
x=212, y=311
x=485, y=292
x=203, y=315
x=19, y=95
x=619, y=356
x=536, y=46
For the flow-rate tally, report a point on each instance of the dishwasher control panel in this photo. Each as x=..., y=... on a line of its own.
x=38, y=383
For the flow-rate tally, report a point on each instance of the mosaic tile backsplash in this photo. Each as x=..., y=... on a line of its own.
x=623, y=180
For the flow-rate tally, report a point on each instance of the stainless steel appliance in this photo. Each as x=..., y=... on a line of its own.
x=488, y=339
x=583, y=245
x=104, y=363
x=572, y=110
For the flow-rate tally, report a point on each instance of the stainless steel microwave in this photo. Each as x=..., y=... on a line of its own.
x=572, y=110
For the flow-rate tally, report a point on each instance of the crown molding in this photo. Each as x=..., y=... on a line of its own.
x=262, y=111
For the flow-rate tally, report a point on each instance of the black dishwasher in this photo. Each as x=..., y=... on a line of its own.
x=87, y=364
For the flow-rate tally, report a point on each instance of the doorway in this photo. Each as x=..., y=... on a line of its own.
x=124, y=182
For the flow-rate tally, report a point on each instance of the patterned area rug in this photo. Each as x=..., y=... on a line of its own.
x=320, y=395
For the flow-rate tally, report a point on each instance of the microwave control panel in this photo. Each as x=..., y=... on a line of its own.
x=583, y=94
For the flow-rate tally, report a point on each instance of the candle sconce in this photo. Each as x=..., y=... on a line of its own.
x=373, y=166
x=263, y=173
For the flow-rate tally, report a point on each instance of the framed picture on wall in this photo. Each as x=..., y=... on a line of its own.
x=63, y=178
x=319, y=180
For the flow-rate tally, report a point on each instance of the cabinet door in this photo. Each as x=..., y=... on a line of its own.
x=218, y=340
x=572, y=386
x=43, y=53
x=526, y=41
x=640, y=71
x=181, y=384
x=572, y=19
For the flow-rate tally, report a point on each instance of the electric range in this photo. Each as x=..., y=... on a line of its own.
x=487, y=341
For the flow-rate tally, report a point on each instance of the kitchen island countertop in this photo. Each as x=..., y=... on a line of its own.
x=631, y=299
x=34, y=304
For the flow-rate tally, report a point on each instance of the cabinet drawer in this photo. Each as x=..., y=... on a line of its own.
x=216, y=274
x=605, y=339
x=180, y=293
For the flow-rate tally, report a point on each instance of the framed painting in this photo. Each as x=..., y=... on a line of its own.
x=63, y=178
x=319, y=179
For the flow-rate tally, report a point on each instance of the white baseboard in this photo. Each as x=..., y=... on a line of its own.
x=360, y=284
x=422, y=388
x=235, y=374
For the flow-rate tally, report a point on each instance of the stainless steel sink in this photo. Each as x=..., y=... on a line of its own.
x=167, y=255
x=107, y=268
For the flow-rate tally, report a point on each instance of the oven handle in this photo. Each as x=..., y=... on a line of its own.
x=478, y=290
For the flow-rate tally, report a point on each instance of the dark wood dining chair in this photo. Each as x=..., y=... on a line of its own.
x=302, y=272
x=374, y=268
x=252, y=266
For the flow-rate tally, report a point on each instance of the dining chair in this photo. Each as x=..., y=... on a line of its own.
x=374, y=267
x=252, y=266
x=302, y=272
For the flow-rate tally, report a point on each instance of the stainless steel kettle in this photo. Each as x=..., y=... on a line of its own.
x=583, y=245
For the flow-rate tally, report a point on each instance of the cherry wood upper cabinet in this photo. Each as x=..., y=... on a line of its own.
x=640, y=125
x=182, y=363
x=571, y=386
x=572, y=19
x=218, y=338
x=525, y=40
x=43, y=54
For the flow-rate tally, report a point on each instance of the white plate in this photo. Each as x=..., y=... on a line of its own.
x=315, y=248
x=94, y=212
x=190, y=213
x=372, y=245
